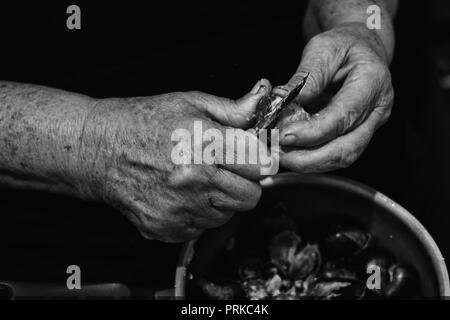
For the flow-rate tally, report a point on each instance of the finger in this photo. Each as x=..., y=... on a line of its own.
x=216, y=188
x=201, y=200
x=215, y=194
x=227, y=193
x=249, y=156
x=337, y=154
x=234, y=113
x=346, y=110
x=293, y=113
x=322, y=59
x=208, y=143
x=234, y=193
x=242, y=152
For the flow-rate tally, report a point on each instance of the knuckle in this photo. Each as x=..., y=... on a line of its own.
x=214, y=212
x=382, y=76
x=210, y=201
x=316, y=41
x=345, y=158
x=384, y=73
x=376, y=70
x=341, y=125
x=350, y=118
x=370, y=69
x=386, y=115
x=351, y=158
x=386, y=100
x=245, y=201
x=391, y=94
x=320, y=39
x=345, y=121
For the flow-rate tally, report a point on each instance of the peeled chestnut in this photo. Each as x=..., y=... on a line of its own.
x=306, y=262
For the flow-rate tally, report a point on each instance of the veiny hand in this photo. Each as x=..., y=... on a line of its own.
x=350, y=57
x=127, y=159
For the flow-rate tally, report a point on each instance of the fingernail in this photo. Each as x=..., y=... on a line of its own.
x=288, y=139
x=261, y=89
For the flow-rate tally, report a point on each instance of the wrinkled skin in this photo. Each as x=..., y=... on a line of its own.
x=131, y=169
x=353, y=58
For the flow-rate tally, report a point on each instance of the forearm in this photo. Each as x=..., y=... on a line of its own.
x=40, y=137
x=322, y=15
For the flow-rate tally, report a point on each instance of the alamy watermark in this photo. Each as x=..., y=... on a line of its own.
x=374, y=19
x=74, y=278
x=231, y=146
x=73, y=21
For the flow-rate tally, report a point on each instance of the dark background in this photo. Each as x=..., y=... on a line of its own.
x=223, y=48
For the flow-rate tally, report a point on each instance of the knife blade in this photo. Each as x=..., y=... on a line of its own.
x=270, y=106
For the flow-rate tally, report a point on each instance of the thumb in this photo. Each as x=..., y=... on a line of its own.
x=235, y=113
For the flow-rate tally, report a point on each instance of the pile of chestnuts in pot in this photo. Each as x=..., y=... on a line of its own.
x=344, y=263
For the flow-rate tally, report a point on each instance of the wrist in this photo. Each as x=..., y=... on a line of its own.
x=39, y=137
x=66, y=135
x=95, y=148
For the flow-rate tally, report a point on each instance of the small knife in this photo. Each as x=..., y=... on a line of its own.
x=270, y=106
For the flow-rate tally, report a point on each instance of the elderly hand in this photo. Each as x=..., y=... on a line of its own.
x=350, y=57
x=126, y=152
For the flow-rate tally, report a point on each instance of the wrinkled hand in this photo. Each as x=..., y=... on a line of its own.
x=127, y=150
x=352, y=58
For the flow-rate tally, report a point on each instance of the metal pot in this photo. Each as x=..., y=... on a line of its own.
x=314, y=199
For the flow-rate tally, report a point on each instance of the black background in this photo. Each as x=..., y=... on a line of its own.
x=222, y=47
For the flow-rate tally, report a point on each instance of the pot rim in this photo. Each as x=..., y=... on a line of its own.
x=352, y=186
